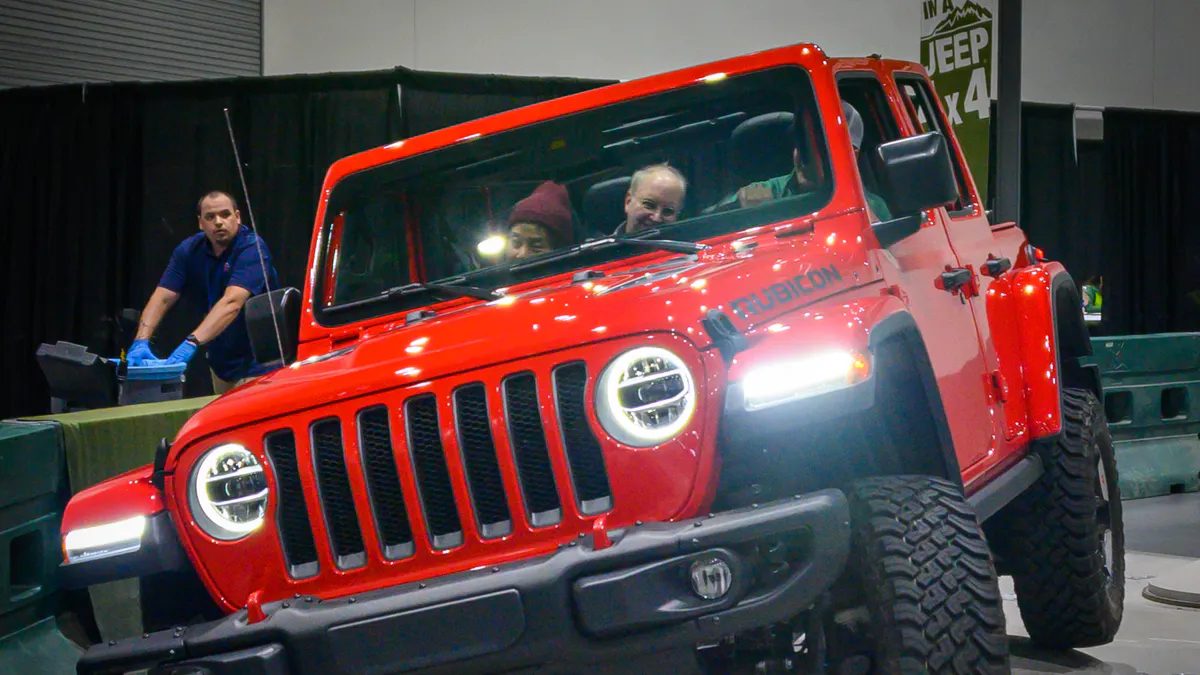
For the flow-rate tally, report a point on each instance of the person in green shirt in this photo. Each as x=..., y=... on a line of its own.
x=794, y=183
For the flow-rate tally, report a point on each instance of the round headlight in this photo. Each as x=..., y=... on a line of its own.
x=228, y=492
x=645, y=396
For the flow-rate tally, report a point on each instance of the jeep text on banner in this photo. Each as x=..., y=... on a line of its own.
x=956, y=49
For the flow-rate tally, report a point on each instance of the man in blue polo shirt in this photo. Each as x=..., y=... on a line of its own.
x=217, y=270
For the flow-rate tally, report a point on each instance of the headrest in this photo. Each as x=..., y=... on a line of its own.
x=762, y=146
x=854, y=124
x=604, y=204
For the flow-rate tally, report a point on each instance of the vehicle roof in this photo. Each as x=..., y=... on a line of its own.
x=803, y=53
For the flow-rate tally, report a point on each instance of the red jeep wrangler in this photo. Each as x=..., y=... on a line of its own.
x=766, y=435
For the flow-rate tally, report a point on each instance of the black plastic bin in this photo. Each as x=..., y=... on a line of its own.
x=80, y=380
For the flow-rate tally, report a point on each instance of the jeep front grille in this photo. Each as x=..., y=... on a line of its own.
x=454, y=462
x=383, y=484
x=529, y=445
x=295, y=531
x=334, y=488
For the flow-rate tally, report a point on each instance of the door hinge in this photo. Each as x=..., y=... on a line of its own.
x=999, y=386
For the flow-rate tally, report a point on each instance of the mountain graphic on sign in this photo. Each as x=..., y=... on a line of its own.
x=965, y=15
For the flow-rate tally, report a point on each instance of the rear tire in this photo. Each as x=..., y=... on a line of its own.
x=926, y=578
x=1063, y=539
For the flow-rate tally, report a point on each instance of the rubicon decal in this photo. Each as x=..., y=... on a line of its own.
x=785, y=292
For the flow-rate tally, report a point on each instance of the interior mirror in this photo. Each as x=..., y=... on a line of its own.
x=918, y=173
x=261, y=326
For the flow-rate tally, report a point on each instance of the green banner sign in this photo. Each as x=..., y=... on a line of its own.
x=956, y=48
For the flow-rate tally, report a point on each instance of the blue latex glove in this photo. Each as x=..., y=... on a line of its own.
x=183, y=353
x=139, y=352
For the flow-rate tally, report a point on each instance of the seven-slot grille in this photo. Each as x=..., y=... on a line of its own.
x=443, y=433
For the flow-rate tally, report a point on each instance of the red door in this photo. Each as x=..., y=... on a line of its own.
x=974, y=245
x=913, y=267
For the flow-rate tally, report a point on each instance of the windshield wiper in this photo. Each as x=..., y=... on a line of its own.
x=607, y=242
x=446, y=289
x=452, y=290
x=663, y=244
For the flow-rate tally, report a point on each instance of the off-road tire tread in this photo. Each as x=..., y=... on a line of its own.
x=1050, y=537
x=928, y=578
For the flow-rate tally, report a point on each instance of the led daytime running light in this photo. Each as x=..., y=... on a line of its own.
x=785, y=381
x=121, y=536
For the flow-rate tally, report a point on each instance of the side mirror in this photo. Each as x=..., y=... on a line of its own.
x=918, y=173
x=261, y=325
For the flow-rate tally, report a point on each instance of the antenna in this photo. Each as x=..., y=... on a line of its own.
x=257, y=240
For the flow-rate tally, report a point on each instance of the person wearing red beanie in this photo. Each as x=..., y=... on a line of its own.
x=540, y=222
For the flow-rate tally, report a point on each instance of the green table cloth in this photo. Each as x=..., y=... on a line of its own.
x=100, y=444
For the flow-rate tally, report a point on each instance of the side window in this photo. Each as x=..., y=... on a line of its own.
x=921, y=108
x=372, y=253
x=864, y=92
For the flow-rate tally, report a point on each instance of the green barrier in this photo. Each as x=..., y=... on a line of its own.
x=99, y=444
x=32, y=492
x=39, y=648
x=1152, y=401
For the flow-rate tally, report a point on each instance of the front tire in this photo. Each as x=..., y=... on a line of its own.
x=1064, y=539
x=926, y=578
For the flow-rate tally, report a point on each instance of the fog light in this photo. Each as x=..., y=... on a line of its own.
x=711, y=578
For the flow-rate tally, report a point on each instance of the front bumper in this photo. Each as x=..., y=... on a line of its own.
x=583, y=604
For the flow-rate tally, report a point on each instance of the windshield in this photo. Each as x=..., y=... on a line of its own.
x=719, y=156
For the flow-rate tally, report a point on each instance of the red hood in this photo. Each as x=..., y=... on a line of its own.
x=750, y=283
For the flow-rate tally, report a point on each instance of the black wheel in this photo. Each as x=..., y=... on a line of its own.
x=926, y=580
x=1063, y=539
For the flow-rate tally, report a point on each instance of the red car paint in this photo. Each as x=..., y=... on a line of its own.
x=993, y=355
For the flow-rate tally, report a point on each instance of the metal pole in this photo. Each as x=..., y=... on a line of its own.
x=1008, y=112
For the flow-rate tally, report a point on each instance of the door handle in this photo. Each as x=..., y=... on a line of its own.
x=955, y=278
x=994, y=266
x=959, y=281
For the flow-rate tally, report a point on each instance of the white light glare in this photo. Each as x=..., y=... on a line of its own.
x=789, y=380
x=492, y=246
x=113, y=538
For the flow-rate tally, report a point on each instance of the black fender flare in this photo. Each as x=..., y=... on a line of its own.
x=1071, y=336
x=901, y=329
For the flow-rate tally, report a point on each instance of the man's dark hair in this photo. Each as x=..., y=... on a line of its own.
x=216, y=193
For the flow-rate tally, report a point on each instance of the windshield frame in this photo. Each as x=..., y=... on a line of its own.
x=587, y=254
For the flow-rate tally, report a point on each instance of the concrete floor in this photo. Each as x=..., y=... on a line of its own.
x=1162, y=535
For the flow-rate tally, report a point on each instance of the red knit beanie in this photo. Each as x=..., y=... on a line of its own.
x=549, y=206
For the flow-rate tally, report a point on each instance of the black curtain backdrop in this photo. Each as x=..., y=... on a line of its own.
x=70, y=180
x=101, y=184
x=1053, y=196
x=1152, y=242
x=1121, y=211
x=1061, y=211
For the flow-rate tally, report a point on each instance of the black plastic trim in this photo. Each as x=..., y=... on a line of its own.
x=519, y=615
x=1071, y=336
x=725, y=336
x=653, y=594
x=902, y=326
x=160, y=552
x=266, y=660
x=1006, y=487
